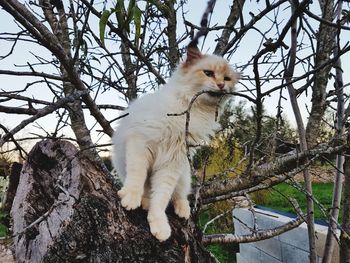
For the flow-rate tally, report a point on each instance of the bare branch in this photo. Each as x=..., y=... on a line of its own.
x=41, y=113
x=35, y=74
x=260, y=235
x=262, y=172
x=18, y=110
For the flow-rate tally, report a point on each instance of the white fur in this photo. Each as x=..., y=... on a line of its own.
x=149, y=152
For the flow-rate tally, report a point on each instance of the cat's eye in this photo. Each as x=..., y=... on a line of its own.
x=209, y=73
x=227, y=78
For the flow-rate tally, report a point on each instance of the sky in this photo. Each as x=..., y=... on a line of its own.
x=24, y=52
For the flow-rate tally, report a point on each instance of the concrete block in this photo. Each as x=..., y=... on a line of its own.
x=292, y=254
x=297, y=237
x=271, y=247
x=266, y=258
x=240, y=229
x=241, y=259
x=289, y=247
x=241, y=213
x=264, y=219
x=267, y=220
x=244, y=216
x=250, y=253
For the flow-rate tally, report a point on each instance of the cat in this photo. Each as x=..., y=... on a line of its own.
x=149, y=149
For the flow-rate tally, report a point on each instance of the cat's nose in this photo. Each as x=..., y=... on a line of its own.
x=220, y=85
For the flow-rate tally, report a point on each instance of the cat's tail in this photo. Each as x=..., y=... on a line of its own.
x=204, y=24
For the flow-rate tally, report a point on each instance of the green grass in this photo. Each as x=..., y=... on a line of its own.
x=224, y=253
x=274, y=199
x=3, y=228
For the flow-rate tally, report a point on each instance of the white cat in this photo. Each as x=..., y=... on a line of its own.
x=149, y=151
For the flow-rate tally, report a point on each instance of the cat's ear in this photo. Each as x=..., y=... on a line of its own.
x=193, y=54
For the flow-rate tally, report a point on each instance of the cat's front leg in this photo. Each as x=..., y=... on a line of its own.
x=181, y=205
x=182, y=208
x=130, y=198
x=163, y=183
x=146, y=196
x=137, y=162
x=159, y=226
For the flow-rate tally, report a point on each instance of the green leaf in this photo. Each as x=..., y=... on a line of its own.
x=137, y=21
x=102, y=24
x=120, y=13
x=131, y=7
x=130, y=11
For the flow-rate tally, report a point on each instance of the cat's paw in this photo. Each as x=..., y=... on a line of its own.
x=160, y=228
x=182, y=208
x=130, y=199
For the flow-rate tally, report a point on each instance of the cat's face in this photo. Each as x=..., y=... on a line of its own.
x=208, y=72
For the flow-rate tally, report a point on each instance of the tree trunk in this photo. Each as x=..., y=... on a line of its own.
x=344, y=236
x=339, y=126
x=325, y=44
x=66, y=210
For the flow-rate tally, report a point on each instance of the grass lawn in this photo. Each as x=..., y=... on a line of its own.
x=273, y=199
x=3, y=228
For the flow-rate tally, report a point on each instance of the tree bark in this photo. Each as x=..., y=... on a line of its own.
x=171, y=32
x=338, y=182
x=13, y=183
x=344, y=237
x=303, y=144
x=235, y=13
x=66, y=210
x=325, y=44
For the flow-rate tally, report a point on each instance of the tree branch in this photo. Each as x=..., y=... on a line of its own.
x=262, y=172
x=235, y=13
x=41, y=113
x=49, y=40
x=18, y=110
x=260, y=235
x=30, y=73
x=257, y=235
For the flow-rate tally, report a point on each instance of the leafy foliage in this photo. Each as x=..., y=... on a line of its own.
x=223, y=157
x=276, y=135
x=103, y=22
x=124, y=18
